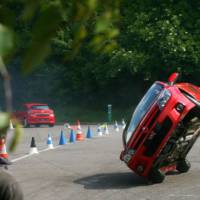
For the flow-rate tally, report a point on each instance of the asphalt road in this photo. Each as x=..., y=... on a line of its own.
x=92, y=170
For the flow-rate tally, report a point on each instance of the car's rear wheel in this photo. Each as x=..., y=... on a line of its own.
x=183, y=166
x=25, y=123
x=51, y=125
x=156, y=176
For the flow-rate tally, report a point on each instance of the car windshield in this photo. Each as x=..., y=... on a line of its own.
x=142, y=108
x=40, y=107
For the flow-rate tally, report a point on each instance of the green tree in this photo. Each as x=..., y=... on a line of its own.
x=159, y=37
x=156, y=38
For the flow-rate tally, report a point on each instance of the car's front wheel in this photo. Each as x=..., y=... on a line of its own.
x=183, y=166
x=51, y=125
x=156, y=176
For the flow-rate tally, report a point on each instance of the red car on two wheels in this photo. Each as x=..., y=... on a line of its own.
x=162, y=130
x=35, y=114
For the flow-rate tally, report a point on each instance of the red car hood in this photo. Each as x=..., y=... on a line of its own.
x=191, y=89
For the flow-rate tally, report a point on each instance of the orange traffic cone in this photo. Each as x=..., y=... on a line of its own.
x=3, y=153
x=78, y=125
x=79, y=134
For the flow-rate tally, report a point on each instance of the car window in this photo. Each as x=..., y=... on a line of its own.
x=142, y=108
x=40, y=107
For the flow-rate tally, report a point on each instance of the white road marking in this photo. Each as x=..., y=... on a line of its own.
x=47, y=149
x=28, y=155
x=20, y=158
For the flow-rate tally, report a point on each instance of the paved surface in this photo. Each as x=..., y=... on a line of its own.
x=92, y=170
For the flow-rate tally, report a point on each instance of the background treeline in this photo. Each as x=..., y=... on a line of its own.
x=85, y=73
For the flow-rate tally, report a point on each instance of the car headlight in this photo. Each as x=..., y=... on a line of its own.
x=163, y=99
x=131, y=151
x=128, y=155
x=127, y=158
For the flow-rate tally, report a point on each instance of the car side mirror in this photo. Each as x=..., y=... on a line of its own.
x=173, y=78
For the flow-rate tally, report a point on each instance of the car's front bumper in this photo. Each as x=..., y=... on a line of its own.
x=41, y=120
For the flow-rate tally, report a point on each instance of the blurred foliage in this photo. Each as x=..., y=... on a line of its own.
x=17, y=135
x=156, y=38
x=27, y=29
x=35, y=23
x=68, y=24
x=4, y=123
x=6, y=40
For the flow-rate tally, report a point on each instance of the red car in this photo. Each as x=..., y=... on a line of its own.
x=35, y=114
x=162, y=130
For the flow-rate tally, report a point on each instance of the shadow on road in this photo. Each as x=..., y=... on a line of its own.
x=111, y=181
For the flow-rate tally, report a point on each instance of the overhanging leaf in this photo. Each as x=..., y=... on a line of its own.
x=6, y=40
x=35, y=56
x=4, y=123
x=16, y=137
x=30, y=8
x=4, y=120
x=42, y=34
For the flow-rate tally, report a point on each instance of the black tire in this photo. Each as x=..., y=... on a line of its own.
x=156, y=176
x=192, y=130
x=25, y=123
x=51, y=125
x=183, y=166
